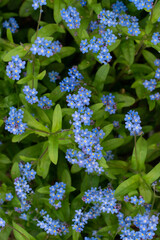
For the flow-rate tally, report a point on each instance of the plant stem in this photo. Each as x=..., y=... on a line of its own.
x=17, y=231
x=135, y=149
x=37, y=130
x=33, y=58
x=153, y=200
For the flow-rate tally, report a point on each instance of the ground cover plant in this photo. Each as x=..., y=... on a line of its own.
x=79, y=117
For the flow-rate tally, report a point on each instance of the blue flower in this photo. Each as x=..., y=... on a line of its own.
x=11, y=24
x=132, y=122
x=37, y=3
x=15, y=67
x=71, y=17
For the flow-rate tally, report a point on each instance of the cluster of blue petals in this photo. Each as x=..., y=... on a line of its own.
x=103, y=202
x=146, y=226
x=69, y=83
x=23, y=188
x=15, y=67
x=30, y=94
x=14, y=122
x=37, y=3
x=151, y=85
x=56, y=194
x=156, y=38
x=2, y=224
x=11, y=24
x=71, y=17
x=132, y=123
x=134, y=200
x=141, y=4
x=44, y=47
x=51, y=226
x=88, y=141
x=109, y=102
x=109, y=155
x=53, y=76
x=31, y=97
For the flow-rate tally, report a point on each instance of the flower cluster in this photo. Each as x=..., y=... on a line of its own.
x=109, y=156
x=119, y=7
x=37, y=3
x=14, y=122
x=100, y=45
x=151, y=85
x=155, y=38
x=11, y=24
x=132, y=122
x=22, y=187
x=146, y=225
x=102, y=200
x=134, y=200
x=83, y=3
x=31, y=97
x=15, y=67
x=71, y=17
x=88, y=141
x=69, y=83
x=114, y=18
x=92, y=238
x=56, y=194
x=50, y=226
x=53, y=76
x=44, y=103
x=108, y=101
x=141, y=4
x=93, y=25
x=2, y=224
x=30, y=94
x=44, y=47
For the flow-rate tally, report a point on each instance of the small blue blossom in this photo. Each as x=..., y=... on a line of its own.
x=150, y=85
x=44, y=47
x=141, y=4
x=53, y=76
x=14, y=67
x=116, y=124
x=109, y=156
x=132, y=122
x=2, y=224
x=155, y=38
x=37, y=3
x=11, y=24
x=14, y=122
x=109, y=103
x=30, y=94
x=71, y=17
x=45, y=103
x=56, y=194
x=9, y=196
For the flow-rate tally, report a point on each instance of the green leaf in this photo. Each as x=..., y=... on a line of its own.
x=43, y=161
x=15, y=170
x=141, y=150
x=20, y=51
x=75, y=234
x=145, y=192
x=66, y=177
x=89, y=181
x=21, y=234
x=47, y=31
x=128, y=51
x=107, y=130
x=53, y=148
x=56, y=94
x=156, y=12
x=75, y=168
x=9, y=35
x=66, y=51
x=97, y=7
x=124, y=100
x=26, y=9
x=153, y=175
x=20, y=137
x=127, y=186
x=44, y=190
x=112, y=143
x=40, y=129
x=58, y=5
x=149, y=57
x=101, y=76
x=41, y=75
x=57, y=119
x=25, y=79
x=4, y=159
x=96, y=107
